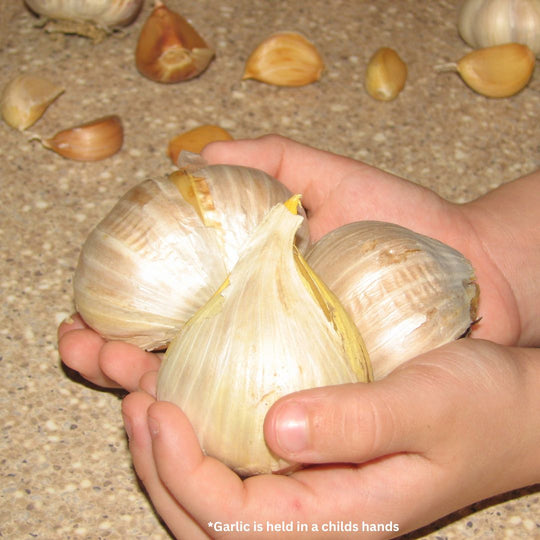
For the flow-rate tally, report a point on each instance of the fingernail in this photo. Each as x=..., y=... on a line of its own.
x=153, y=426
x=292, y=428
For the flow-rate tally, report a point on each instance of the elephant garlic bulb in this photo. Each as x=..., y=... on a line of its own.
x=104, y=13
x=406, y=293
x=484, y=23
x=272, y=328
x=166, y=247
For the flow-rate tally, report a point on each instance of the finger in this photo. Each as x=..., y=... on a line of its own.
x=79, y=348
x=73, y=322
x=358, y=422
x=148, y=383
x=183, y=467
x=126, y=363
x=303, y=169
x=134, y=410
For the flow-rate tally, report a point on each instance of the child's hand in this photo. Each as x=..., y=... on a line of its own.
x=449, y=428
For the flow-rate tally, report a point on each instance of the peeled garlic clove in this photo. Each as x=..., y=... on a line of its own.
x=407, y=293
x=271, y=329
x=195, y=140
x=169, y=49
x=285, y=59
x=484, y=23
x=166, y=247
x=25, y=99
x=499, y=71
x=93, y=141
x=386, y=74
x=105, y=13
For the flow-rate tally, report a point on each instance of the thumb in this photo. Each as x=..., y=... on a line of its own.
x=353, y=423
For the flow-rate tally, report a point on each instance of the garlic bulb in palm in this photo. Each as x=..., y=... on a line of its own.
x=484, y=23
x=271, y=329
x=166, y=247
x=407, y=293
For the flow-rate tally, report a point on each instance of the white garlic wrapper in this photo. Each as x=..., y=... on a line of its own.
x=407, y=293
x=484, y=23
x=105, y=13
x=166, y=247
x=273, y=328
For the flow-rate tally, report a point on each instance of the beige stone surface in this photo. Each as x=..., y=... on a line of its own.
x=65, y=471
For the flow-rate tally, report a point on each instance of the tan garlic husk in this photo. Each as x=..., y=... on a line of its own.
x=90, y=18
x=407, y=293
x=386, y=74
x=91, y=141
x=484, y=23
x=169, y=49
x=195, y=140
x=272, y=328
x=25, y=98
x=166, y=247
x=496, y=72
x=285, y=59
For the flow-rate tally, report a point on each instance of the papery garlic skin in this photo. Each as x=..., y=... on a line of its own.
x=105, y=13
x=160, y=254
x=263, y=335
x=484, y=23
x=407, y=293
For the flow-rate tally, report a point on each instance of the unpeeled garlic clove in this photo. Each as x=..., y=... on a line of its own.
x=195, y=140
x=272, y=328
x=93, y=141
x=285, y=59
x=497, y=72
x=406, y=293
x=386, y=74
x=169, y=49
x=25, y=99
x=166, y=246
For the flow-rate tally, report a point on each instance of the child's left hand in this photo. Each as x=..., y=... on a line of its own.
x=446, y=429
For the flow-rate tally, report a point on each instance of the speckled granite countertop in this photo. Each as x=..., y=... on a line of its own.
x=64, y=466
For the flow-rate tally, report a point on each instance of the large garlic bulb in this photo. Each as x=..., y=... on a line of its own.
x=484, y=23
x=271, y=329
x=407, y=293
x=104, y=13
x=166, y=247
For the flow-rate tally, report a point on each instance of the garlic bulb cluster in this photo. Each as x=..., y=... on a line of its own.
x=166, y=247
x=272, y=328
x=104, y=13
x=406, y=293
x=484, y=23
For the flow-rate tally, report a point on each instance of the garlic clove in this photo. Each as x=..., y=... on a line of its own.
x=406, y=293
x=497, y=72
x=285, y=59
x=93, y=141
x=166, y=247
x=271, y=329
x=484, y=23
x=25, y=99
x=195, y=140
x=386, y=75
x=169, y=49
